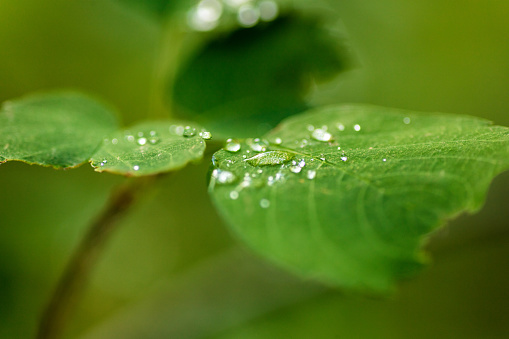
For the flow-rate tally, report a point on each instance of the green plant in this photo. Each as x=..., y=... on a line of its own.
x=342, y=194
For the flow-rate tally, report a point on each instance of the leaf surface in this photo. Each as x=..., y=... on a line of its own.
x=150, y=148
x=347, y=194
x=59, y=129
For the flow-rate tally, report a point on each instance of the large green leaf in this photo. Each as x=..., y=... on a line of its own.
x=60, y=129
x=347, y=194
x=249, y=80
x=150, y=148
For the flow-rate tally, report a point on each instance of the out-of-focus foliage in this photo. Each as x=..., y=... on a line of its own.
x=164, y=274
x=57, y=129
x=246, y=82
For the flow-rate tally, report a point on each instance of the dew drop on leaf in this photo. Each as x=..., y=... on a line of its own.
x=189, y=132
x=258, y=145
x=234, y=195
x=136, y=167
x=223, y=177
x=295, y=169
x=357, y=127
x=321, y=135
x=206, y=135
x=232, y=145
x=142, y=141
x=270, y=158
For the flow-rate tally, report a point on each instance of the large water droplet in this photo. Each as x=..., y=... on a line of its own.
x=357, y=127
x=270, y=158
x=234, y=195
x=130, y=138
x=232, y=145
x=114, y=141
x=321, y=135
x=136, y=167
x=189, y=132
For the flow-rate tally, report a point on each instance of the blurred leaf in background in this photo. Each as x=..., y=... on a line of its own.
x=244, y=83
x=426, y=55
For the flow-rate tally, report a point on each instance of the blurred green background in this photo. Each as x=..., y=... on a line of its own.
x=173, y=270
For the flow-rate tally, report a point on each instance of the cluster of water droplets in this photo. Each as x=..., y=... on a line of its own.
x=145, y=139
x=207, y=15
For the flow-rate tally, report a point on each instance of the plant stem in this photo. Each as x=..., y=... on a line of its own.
x=75, y=276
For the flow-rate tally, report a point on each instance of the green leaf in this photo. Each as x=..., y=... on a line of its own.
x=150, y=148
x=158, y=8
x=364, y=187
x=59, y=129
x=246, y=82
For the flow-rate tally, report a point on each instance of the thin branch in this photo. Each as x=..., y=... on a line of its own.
x=75, y=276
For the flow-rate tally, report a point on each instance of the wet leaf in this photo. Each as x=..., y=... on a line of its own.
x=355, y=203
x=150, y=148
x=59, y=129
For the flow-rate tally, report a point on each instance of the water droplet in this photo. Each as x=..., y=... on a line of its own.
x=114, y=141
x=321, y=135
x=130, y=138
x=278, y=141
x=232, y=145
x=154, y=140
x=234, y=195
x=264, y=203
x=205, y=135
x=268, y=10
x=295, y=169
x=344, y=158
x=270, y=180
x=177, y=130
x=406, y=120
x=140, y=134
x=270, y=158
x=311, y=174
x=136, y=167
x=385, y=160
x=310, y=128
x=258, y=145
x=223, y=177
x=153, y=133
x=102, y=164
x=357, y=127
x=105, y=161
x=302, y=163
x=341, y=127
x=189, y=132
x=141, y=141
